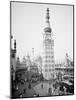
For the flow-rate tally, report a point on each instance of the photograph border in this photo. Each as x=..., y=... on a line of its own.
x=73, y=41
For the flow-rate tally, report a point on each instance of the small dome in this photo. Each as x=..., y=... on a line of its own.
x=47, y=29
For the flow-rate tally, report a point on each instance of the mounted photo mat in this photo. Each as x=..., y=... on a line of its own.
x=42, y=49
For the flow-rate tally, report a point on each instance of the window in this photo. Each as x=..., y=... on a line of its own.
x=46, y=70
x=46, y=65
x=52, y=61
x=49, y=69
x=46, y=61
x=49, y=65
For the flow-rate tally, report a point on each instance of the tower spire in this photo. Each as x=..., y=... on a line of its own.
x=47, y=16
x=47, y=27
x=15, y=45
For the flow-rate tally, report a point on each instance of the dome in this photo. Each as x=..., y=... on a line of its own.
x=47, y=29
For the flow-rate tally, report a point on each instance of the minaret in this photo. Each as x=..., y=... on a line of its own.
x=28, y=62
x=33, y=55
x=15, y=45
x=13, y=60
x=48, y=50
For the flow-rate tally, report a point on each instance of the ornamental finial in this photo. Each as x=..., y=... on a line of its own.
x=47, y=16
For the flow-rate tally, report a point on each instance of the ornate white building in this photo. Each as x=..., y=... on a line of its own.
x=48, y=50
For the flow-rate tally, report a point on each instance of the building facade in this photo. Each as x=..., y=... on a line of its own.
x=66, y=68
x=48, y=50
x=38, y=62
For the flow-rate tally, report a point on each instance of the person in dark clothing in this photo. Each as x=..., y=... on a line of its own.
x=41, y=85
x=29, y=86
x=24, y=90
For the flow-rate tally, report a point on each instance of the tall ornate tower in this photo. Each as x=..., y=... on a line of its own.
x=13, y=61
x=48, y=50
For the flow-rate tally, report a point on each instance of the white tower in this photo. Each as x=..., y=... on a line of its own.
x=48, y=50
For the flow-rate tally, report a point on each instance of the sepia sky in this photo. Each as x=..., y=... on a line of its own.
x=28, y=21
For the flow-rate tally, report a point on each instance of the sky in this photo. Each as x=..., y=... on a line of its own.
x=28, y=21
